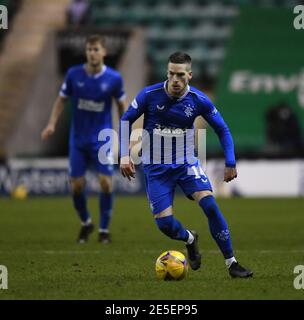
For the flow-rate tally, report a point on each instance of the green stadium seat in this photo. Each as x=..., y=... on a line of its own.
x=4, y=3
x=200, y=27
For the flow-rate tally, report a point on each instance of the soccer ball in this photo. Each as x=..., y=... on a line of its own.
x=171, y=265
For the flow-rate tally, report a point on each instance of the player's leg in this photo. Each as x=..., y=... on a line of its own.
x=79, y=199
x=220, y=232
x=77, y=170
x=196, y=185
x=217, y=224
x=80, y=204
x=105, y=207
x=160, y=191
x=172, y=228
x=105, y=170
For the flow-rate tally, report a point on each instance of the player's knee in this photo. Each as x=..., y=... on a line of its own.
x=105, y=184
x=165, y=225
x=209, y=205
x=77, y=187
x=170, y=227
x=199, y=195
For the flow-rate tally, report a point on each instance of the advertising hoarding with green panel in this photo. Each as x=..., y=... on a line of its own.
x=264, y=66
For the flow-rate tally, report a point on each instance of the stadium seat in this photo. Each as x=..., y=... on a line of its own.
x=200, y=27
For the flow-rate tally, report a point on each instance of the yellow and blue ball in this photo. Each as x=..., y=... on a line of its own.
x=171, y=265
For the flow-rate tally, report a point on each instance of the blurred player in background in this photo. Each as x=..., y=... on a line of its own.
x=171, y=107
x=91, y=88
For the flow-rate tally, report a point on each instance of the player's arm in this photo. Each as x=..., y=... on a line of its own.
x=66, y=91
x=135, y=110
x=129, y=168
x=215, y=120
x=126, y=164
x=122, y=106
x=55, y=114
x=120, y=96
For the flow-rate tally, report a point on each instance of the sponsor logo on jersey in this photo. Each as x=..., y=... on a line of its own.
x=168, y=131
x=90, y=105
x=160, y=107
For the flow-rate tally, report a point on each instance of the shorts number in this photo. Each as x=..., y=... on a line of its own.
x=199, y=175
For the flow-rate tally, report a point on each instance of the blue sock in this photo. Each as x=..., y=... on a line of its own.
x=172, y=228
x=217, y=225
x=105, y=209
x=80, y=204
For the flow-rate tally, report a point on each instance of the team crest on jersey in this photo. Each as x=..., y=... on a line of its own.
x=104, y=87
x=80, y=84
x=189, y=110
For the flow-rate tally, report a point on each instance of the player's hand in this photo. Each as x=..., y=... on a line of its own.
x=127, y=168
x=230, y=174
x=47, y=131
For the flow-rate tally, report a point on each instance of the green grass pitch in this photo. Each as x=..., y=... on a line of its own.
x=37, y=244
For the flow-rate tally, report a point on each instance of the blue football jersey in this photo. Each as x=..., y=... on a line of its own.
x=165, y=115
x=91, y=98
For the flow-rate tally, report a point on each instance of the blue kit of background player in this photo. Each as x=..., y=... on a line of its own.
x=91, y=88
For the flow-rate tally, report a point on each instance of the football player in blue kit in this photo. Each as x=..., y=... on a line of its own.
x=171, y=107
x=91, y=88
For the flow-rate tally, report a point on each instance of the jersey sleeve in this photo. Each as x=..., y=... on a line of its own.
x=66, y=89
x=209, y=112
x=135, y=110
x=119, y=92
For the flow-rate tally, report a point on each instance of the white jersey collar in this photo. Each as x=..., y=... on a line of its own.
x=99, y=74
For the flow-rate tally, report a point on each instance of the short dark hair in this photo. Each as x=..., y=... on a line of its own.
x=180, y=58
x=93, y=38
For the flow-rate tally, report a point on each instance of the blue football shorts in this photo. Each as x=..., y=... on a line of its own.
x=161, y=181
x=85, y=157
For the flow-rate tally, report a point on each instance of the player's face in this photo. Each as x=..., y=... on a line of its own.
x=179, y=76
x=95, y=53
